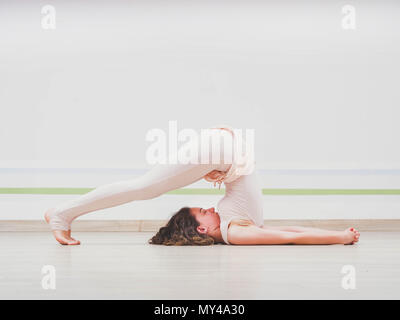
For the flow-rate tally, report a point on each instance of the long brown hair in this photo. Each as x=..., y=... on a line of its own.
x=181, y=230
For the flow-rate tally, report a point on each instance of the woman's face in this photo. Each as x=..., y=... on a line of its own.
x=208, y=219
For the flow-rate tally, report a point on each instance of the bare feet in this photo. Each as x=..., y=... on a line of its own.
x=62, y=236
x=351, y=236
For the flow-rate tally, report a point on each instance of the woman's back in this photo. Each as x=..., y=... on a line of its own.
x=242, y=200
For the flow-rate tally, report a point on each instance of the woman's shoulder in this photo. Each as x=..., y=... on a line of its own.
x=238, y=226
x=227, y=223
x=242, y=231
x=240, y=222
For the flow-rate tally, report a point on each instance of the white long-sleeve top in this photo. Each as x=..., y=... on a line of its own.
x=242, y=200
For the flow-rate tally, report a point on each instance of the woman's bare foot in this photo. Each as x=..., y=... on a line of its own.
x=351, y=236
x=62, y=236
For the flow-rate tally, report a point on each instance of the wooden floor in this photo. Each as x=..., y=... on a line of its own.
x=119, y=265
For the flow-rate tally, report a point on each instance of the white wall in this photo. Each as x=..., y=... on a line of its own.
x=85, y=94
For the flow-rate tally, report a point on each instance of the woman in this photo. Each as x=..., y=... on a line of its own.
x=239, y=219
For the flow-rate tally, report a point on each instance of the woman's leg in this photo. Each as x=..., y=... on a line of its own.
x=159, y=180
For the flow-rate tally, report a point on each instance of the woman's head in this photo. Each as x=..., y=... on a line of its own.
x=189, y=226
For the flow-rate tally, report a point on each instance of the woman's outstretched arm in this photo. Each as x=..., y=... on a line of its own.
x=253, y=235
x=294, y=229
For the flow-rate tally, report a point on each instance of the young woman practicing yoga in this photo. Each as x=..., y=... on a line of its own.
x=239, y=219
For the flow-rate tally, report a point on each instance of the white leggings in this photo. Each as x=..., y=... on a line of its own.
x=157, y=181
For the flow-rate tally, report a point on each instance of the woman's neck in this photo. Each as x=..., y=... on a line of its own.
x=217, y=235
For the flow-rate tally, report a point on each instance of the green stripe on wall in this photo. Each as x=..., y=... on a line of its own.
x=200, y=191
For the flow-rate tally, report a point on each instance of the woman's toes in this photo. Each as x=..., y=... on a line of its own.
x=63, y=237
x=73, y=242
